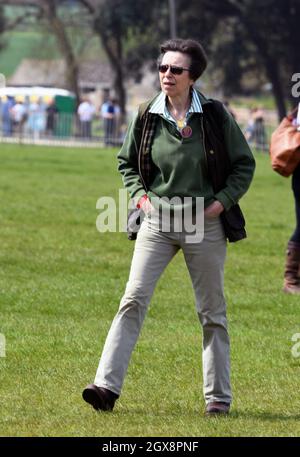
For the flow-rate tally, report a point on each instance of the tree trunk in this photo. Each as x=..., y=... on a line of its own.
x=272, y=71
x=64, y=44
x=264, y=50
x=114, y=52
x=119, y=79
x=271, y=66
x=120, y=91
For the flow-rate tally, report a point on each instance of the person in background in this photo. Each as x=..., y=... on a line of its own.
x=36, y=116
x=51, y=112
x=108, y=114
x=86, y=111
x=7, y=122
x=118, y=119
x=291, y=283
x=19, y=116
x=255, y=131
x=176, y=165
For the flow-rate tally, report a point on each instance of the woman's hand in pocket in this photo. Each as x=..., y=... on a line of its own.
x=214, y=210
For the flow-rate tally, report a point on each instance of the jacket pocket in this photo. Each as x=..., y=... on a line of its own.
x=234, y=224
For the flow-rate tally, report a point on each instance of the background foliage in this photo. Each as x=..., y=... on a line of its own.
x=252, y=44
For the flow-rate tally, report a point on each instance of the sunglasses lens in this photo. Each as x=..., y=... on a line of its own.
x=176, y=70
x=163, y=68
x=173, y=70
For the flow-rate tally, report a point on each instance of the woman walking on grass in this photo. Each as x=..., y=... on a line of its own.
x=180, y=145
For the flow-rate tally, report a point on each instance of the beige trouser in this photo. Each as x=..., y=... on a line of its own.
x=205, y=261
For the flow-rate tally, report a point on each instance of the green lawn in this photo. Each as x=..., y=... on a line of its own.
x=61, y=282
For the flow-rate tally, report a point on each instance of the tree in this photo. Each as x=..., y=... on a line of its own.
x=261, y=23
x=47, y=11
x=264, y=35
x=128, y=34
x=257, y=38
x=49, y=8
x=272, y=26
x=2, y=27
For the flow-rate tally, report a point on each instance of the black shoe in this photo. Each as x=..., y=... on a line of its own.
x=217, y=408
x=99, y=397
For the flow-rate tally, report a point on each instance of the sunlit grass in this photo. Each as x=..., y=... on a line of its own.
x=61, y=282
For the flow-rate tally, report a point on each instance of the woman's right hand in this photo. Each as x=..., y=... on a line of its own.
x=145, y=204
x=214, y=210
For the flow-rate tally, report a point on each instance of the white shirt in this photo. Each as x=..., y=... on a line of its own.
x=18, y=112
x=85, y=111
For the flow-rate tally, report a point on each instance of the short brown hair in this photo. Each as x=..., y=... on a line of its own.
x=190, y=47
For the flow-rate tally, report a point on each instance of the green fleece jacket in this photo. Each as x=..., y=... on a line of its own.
x=180, y=167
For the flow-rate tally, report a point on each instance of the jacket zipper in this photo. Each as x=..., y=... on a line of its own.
x=203, y=141
x=139, y=160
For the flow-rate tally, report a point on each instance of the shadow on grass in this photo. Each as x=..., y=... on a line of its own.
x=196, y=413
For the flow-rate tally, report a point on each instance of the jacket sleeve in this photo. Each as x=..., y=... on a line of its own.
x=128, y=159
x=242, y=164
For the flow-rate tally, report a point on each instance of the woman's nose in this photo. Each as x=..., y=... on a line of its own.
x=168, y=72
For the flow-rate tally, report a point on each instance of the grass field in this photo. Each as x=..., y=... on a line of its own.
x=61, y=282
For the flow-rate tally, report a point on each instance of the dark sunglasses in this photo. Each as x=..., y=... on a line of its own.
x=173, y=70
